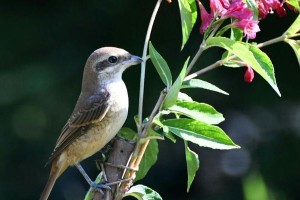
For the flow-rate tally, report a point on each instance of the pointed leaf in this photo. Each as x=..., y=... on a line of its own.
x=294, y=28
x=148, y=160
x=184, y=97
x=197, y=83
x=172, y=95
x=200, y=133
x=160, y=65
x=295, y=44
x=192, y=162
x=127, y=133
x=188, y=14
x=294, y=3
x=142, y=192
x=251, y=55
x=198, y=111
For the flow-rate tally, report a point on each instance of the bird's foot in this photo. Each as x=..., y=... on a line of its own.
x=100, y=187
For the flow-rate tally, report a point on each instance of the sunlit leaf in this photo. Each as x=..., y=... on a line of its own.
x=197, y=83
x=200, y=133
x=295, y=44
x=192, y=162
x=160, y=65
x=251, y=55
x=198, y=111
x=188, y=14
x=142, y=192
x=172, y=95
x=294, y=3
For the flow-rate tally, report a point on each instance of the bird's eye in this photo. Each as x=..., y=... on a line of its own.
x=112, y=59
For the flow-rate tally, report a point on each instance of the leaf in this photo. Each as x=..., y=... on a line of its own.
x=172, y=95
x=294, y=28
x=142, y=192
x=188, y=14
x=254, y=187
x=151, y=135
x=197, y=83
x=198, y=111
x=127, y=133
x=148, y=160
x=294, y=3
x=183, y=97
x=295, y=44
x=200, y=133
x=160, y=65
x=192, y=162
x=251, y=55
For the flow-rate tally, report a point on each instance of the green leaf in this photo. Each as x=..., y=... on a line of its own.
x=198, y=111
x=151, y=135
x=294, y=28
x=255, y=187
x=142, y=192
x=295, y=44
x=197, y=83
x=127, y=133
x=160, y=65
x=200, y=133
x=251, y=55
x=172, y=95
x=148, y=160
x=294, y=3
x=183, y=97
x=188, y=14
x=192, y=162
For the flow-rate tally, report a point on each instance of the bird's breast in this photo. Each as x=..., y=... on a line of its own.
x=100, y=133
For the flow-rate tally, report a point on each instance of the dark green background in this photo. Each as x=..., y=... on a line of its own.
x=43, y=49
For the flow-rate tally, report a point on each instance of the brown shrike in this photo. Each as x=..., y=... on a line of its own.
x=100, y=112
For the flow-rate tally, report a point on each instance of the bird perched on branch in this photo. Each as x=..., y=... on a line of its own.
x=100, y=112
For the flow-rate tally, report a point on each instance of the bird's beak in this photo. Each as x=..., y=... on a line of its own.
x=133, y=60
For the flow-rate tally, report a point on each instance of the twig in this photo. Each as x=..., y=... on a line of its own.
x=143, y=67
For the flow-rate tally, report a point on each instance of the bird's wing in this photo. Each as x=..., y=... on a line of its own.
x=93, y=110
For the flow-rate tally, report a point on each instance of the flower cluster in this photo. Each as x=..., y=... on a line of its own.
x=243, y=17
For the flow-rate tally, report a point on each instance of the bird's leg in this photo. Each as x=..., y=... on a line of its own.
x=90, y=182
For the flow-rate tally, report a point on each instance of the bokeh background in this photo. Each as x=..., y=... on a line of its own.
x=43, y=49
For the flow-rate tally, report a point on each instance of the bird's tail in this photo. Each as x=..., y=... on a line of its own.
x=49, y=186
x=56, y=170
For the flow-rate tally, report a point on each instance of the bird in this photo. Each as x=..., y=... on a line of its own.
x=99, y=113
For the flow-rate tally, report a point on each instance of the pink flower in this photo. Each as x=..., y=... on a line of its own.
x=267, y=6
x=206, y=18
x=219, y=7
x=239, y=10
x=249, y=26
x=249, y=74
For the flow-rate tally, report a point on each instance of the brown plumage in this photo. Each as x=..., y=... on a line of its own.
x=100, y=111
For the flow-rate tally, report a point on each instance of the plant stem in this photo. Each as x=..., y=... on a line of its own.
x=196, y=57
x=143, y=67
x=140, y=148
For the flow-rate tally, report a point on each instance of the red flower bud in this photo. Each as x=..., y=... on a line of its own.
x=249, y=74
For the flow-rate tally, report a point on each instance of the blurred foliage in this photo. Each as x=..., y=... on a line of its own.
x=44, y=46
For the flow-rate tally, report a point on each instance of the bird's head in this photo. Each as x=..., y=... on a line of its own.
x=108, y=63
